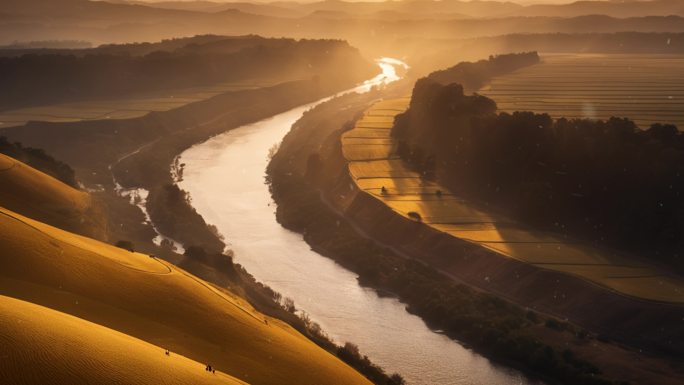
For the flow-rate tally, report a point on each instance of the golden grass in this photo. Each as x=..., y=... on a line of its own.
x=366, y=133
x=645, y=88
x=435, y=211
x=384, y=168
x=6, y=163
x=29, y=191
x=372, y=151
x=393, y=185
x=493, y=232
x=149, y=299
x=44, y=346
x=368, y=143
x=405, y=192
x=385, y=120
x=352, y=140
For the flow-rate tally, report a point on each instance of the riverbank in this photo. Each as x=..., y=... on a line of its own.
x=329, y=293
x=309, y=173
x=109, y=155
x=114, y=154
x=171, y=211
x=134, y=156
x=149, y=168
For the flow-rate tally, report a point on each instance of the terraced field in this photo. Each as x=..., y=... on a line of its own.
x=123, y=108
x=376, y=170
x=645, y=88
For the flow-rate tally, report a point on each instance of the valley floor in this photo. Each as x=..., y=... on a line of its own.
x=122, y=108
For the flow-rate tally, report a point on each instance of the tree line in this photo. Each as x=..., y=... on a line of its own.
x=35, y=79
x=608, y=182
x=302, y=169
x=40, y=160
x=473, y=75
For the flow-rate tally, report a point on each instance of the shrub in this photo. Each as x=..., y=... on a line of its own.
x=126, y=245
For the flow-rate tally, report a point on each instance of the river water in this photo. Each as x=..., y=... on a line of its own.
x=225, y=177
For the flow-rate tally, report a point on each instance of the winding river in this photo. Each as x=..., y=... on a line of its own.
x=225, y=179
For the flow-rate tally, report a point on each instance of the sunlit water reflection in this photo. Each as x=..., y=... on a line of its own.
x=225, y=179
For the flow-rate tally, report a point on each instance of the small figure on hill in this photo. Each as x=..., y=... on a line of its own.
x=167, y=352
x=213, y=371
x=383, y=190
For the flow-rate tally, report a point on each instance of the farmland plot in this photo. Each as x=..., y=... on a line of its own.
x=377, y=171
x=645, y=88
x=124, y=108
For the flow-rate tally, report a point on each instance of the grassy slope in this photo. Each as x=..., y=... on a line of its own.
x=45, y=346
x=29, y=190
x=42, y=197
x=157, y=302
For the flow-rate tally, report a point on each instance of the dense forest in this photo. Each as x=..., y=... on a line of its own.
x=47, y=44
x=77, y=48
x=111, y=71
x=474, y=75
x=604, y=181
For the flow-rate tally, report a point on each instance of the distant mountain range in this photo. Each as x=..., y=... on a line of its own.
x=370, y=26
x=412, y=8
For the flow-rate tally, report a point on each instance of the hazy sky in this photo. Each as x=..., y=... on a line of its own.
x=304, y=1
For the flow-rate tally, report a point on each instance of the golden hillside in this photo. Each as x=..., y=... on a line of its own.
x=37, y=195
x=149, y=299
x=43, y=346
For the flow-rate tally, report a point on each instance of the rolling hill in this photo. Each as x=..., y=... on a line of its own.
x=423, y=8
x=152, y=300
x=613, y=8
x=40, y=196
x=46, y=346
x=112, y=291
